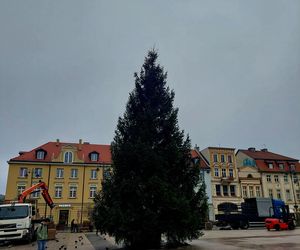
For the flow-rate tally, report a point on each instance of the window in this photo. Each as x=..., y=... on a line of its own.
x=94, y=156
x=222, y=158
x=298, y=194
x=59, y=173
x=295, y=178
x=215, y=158
x=229, y=158
x=37, y=173
x=36, y=192
x=278, y=192
x=286, y=178
x=107, y=174
x=288, y=195
x=68, y=157
x=257, y=189
x=21, y=188
x=232, y=190
x=245, y=193
x=93, y=174
x=40, y=155
x=223, y=172
x=216, y=172
x=218, y=190
x=268, y=178
x=270, y=165
x=251, y=191
x=276, y=178
x=73, y=192
x=74, y=173
x=230, y=172
x=23, y=172
x=271, y=193
x=93, y=190
x=281, y=166
x=58, y=192
x=225, y=190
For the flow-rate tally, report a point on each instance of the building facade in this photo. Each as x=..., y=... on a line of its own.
x=269, y=175
x=205, y=177
x=73, y=173
x=224, y=175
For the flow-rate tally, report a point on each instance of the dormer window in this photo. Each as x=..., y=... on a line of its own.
x=270, y=165
x=68, y=157
x=40, y=154
x=281, y=166
x=94, y=156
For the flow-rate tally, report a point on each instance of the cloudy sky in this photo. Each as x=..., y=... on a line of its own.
x=66, y=69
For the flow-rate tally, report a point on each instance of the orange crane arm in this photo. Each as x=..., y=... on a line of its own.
x=44, y=192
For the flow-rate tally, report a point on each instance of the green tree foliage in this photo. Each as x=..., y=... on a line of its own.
x=153, y=189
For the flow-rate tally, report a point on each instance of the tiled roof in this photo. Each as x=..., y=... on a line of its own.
x=203, y=161
x=266, y=155
x=263, y=166
x=263, y=158
x=53, y=150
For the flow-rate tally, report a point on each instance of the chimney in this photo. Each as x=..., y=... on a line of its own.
x=264, y=150
x=57, y=142
x=197, y=147
x=80, y=144
x=251, y=149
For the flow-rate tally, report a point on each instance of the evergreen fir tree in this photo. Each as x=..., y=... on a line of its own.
x=152, y=191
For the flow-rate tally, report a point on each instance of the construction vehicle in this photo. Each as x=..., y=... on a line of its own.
x=17, y=219
x=253, y=211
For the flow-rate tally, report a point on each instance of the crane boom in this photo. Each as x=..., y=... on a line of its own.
x=44, y=190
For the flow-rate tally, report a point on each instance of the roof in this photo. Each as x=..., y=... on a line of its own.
x=221, y=148
x=263, y=158
x=203, y=162
x=53, y=149
x=265, y=155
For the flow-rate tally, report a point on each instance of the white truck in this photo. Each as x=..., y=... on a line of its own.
x=17, y=219
x=16, y=222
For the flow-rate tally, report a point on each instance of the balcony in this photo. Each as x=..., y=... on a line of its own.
x=226, y=180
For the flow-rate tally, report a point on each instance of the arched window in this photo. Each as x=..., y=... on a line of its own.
x=250, y=176
x=68, y=157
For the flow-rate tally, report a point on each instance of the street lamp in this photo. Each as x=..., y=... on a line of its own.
x=292, y=172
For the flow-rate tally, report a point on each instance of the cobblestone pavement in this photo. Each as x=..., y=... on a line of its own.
x=247, y=239
x=68, y=241
x=217, y=239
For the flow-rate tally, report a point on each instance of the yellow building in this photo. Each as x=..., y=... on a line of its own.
x=273, y=175
x=73, y=172
x=224, y=175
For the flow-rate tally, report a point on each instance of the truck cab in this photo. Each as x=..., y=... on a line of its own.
x=16, y=221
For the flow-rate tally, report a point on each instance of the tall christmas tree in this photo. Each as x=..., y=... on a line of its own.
x=154, y=188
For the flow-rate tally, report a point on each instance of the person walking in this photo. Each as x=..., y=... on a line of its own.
x=72, y=226
x=42, y=234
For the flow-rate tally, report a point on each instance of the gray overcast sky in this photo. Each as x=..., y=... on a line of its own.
x=66, y=69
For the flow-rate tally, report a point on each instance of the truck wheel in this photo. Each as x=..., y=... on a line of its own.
x=291, y=226
x=244, y=224
x=277, y=227
x=234, y=226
